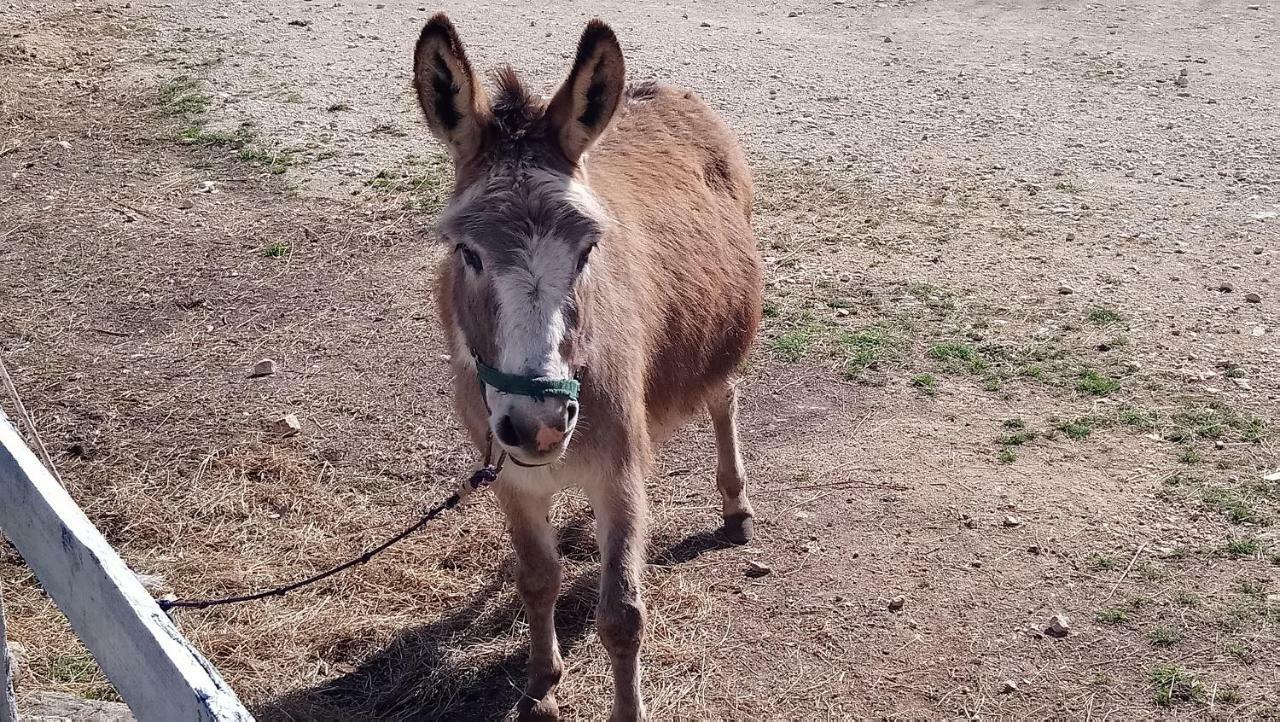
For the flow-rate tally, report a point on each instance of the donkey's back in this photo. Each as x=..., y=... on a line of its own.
x=675, y=179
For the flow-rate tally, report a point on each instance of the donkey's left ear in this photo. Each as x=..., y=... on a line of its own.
x=582, y=108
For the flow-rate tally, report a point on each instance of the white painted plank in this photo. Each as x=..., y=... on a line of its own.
x=157, y=672
x=8, y=707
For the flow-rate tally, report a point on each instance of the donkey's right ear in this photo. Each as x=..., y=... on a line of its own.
x=449, y=92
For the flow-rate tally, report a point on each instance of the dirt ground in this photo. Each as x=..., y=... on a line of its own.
x=1020, y=355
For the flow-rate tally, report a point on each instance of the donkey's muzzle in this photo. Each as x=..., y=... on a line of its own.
x=539, y=435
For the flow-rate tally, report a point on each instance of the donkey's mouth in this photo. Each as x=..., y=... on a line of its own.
x=524, y=459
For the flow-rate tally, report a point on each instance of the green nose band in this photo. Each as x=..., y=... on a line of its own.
x=536, y=387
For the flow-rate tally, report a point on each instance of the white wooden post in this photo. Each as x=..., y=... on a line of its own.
x=8, y=707
x=157, y=671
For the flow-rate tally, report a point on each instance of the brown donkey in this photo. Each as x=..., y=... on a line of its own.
x=601, y=241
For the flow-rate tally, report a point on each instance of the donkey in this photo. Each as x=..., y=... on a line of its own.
x=603, y=287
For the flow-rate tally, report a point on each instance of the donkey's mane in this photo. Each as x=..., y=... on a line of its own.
x=516, y=111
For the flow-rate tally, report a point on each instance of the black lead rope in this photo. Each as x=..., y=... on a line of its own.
x=480, y=479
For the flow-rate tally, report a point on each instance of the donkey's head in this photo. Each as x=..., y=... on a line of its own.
x=522, y=225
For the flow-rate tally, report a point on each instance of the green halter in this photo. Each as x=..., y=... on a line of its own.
x=537, y=387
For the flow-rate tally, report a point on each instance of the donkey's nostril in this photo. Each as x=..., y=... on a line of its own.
x=570, y=414
x=507, y=433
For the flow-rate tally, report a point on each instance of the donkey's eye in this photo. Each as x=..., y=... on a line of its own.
x=470, y=257
x=582, y=259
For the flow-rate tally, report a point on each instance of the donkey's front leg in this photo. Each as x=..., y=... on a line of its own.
x=538, y=580
x=621, y=512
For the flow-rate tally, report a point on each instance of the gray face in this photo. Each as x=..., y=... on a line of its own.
x=522, y=238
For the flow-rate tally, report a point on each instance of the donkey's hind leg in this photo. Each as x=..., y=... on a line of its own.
x=731, y=477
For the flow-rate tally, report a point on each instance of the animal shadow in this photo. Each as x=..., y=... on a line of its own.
x=692, y=547
x=439, y=671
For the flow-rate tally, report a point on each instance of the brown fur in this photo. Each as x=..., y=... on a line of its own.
x=657, y=327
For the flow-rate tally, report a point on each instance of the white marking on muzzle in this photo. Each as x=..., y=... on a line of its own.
x=531, y=297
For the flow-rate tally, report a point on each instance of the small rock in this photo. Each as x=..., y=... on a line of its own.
x=1253, y=298
x=1059, y=625
x=17, y=659
x=287, y=425
x=186, y=203
x=888, y=39
x=1009, y=687
x=1012, y=521
x=756, y=570
x=1242, y=383
x=1226, y=287
x=704, y=25
x=1066, y=290
x=1257, y=250
x=300, y=23
x=896, y=604
x=1034, y=549
x=208, y=187
x=1071, y=236
x=265, y=367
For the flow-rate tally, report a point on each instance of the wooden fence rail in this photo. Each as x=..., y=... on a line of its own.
x=156, y=671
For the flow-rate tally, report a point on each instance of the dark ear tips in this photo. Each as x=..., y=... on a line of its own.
x=596, y=32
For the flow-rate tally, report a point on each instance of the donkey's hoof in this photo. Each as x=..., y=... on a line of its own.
x=738, y=528
x=538, y=710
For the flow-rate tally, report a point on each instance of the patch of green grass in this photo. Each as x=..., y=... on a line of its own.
x=182, y=96
x=71, y=668
x=927, y=383
x=1096, y=384
x=771, y=310
x=1104, y=317
x=277, y=249
x=275, y=162
x=864, y=349
x=1014, y=424
x=1077, y=429
x=1190, y=456
x=958, y=356
x=1229, y=695
x=1172, y=685
x=1186, y=599
x=992, y=383
x=1164, y=636
x=1135, y=416
x=1032, y=371
x=1234, y=372
x=1101, y=562
x=1113, y=616
x=1229, y=504
x=839, y=303
x=197, y=134
x=793, y=345
x=1006, y=455
x=338, y=107
x=1241, y=652
x=1017, y=438
x=1241, y=548
x=1153, y=572
x=1214, y=421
